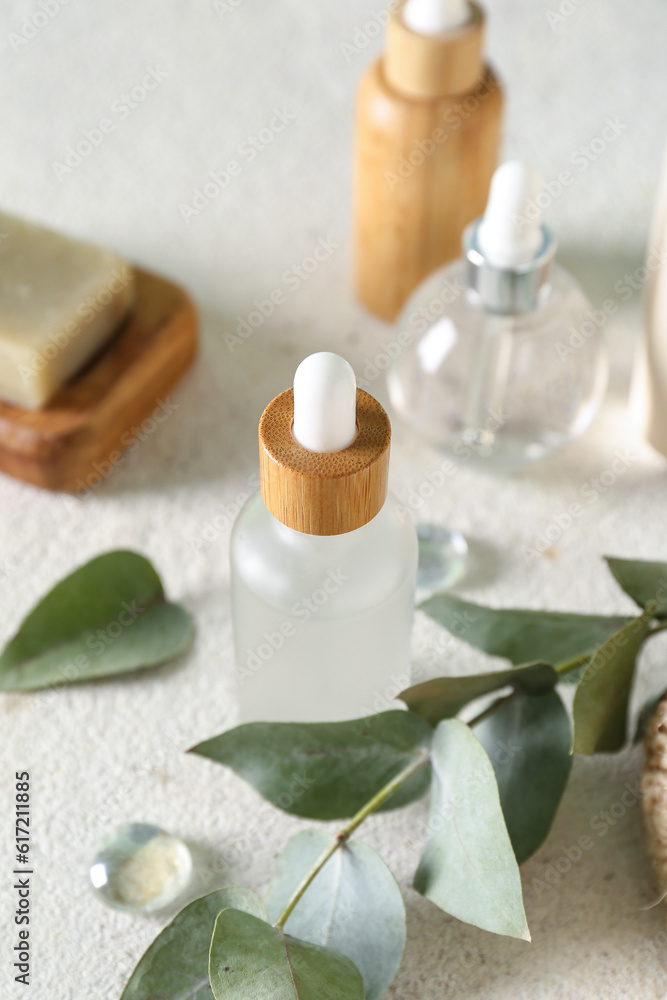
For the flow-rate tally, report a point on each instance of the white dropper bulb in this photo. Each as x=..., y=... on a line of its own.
x=510, y=233
x=325, y=403
x=435, y=17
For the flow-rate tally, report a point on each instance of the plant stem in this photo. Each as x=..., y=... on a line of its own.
x=578, y=661
x=346, y=832
x=490, y=710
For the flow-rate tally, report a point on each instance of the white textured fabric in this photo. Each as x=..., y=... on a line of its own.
x=269, y=87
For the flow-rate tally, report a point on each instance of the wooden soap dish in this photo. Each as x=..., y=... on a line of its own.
x=76, y=441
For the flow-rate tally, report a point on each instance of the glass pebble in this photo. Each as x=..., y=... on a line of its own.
x=443, y=556
x=140, y=868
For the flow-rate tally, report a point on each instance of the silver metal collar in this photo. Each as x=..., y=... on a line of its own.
x=508, y=291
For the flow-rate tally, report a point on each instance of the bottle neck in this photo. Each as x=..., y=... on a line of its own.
x=425, y=67
x=508, y=291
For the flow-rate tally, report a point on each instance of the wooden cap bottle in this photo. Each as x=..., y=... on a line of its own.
x=324, y=450
x=322, y=613
x=427, y=143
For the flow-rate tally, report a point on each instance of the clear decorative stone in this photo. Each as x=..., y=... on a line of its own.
x=443, y=556
x=141, y=868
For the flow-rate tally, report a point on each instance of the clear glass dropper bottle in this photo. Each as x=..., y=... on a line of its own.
x=511, y=368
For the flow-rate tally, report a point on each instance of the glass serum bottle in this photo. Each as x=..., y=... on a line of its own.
x=323, y=564
x=504, y=362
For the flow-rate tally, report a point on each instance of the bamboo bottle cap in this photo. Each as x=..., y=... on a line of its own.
x=324, y=493
x=429, y=66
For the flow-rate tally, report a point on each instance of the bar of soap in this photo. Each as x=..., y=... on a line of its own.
x=61, y=300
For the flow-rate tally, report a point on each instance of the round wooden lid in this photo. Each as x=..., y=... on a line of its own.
x=330, y=493
x=429, y=66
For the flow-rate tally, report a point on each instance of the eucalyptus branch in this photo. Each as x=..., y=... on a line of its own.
x=371, y=806
x=467, y=868
x=346, y=832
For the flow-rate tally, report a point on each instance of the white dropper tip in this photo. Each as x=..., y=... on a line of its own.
x=325, y=403
x=435, y=17
x=510, y=233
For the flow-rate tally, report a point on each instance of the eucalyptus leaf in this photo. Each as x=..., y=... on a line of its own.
x=603, y=695
x=645, y=582
x=522, y=636
x=108, y=617
x=326, y=770
x=252, y=959
x=444, y=697
x=353, y=905
x=468, y=867
x=528, y=739
x=176, y=964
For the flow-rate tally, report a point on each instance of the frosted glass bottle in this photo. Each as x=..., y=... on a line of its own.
x=504, y=362
x=322, y=621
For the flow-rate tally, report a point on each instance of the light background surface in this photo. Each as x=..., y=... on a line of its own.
x=103, y=754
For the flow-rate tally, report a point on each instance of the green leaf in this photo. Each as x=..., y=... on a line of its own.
x=353, y=905
x=176, y=964
x=645, y=582
x=603, y=694
x=522, y=636
x=444, y=697
x=109, y=617
x=468, y=866
x=251, y=959
x=528, y=739
x=325, y=770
